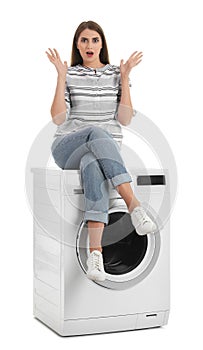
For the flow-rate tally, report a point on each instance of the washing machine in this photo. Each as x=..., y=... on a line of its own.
x=136, y=292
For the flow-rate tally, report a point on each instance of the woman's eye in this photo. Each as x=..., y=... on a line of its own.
x=94, y=40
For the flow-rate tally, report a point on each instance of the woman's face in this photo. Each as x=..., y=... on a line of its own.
x=90, y=44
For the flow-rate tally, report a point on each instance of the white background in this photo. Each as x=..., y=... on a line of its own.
x=167, y=87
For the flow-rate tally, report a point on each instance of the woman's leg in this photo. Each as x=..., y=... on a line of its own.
x=126, y=192
x=95, y=232
x=96, y=191
x=74, y=146
x=100, y=143
x=96, y=194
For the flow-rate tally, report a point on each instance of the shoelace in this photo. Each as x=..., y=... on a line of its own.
x=95, y=261
x=141, y=215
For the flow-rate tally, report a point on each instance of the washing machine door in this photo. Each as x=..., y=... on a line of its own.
x=128, y=257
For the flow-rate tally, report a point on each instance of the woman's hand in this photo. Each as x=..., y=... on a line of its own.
x=133, y=61
x=54, y=58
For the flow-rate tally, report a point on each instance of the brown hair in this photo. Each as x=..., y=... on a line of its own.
x=75, y=55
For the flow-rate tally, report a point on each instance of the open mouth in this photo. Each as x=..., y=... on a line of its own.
x=89, y=53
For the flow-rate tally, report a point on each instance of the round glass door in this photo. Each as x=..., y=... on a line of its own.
x=123, y=248
x=128, y=257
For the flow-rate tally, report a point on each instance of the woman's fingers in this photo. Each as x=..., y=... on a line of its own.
x=136, y=54
x=53, y=54
x=56, y=53
x=50, y=57
x=54, y=58
x=136, y=58
x=137, y=62
x=133, y=54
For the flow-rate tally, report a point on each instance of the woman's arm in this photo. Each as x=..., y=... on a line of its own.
x=125, y=109
x=58, y=107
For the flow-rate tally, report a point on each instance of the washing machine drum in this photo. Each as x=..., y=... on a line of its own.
x=123, y=248
x=128, y=257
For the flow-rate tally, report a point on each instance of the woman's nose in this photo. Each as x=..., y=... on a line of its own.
x=89, y=45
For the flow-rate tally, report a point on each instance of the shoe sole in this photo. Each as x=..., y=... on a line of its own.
x=147, y=233
x=95, y=279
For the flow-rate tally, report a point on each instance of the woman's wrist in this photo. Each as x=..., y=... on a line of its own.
x=124, y=79
x=61, y=78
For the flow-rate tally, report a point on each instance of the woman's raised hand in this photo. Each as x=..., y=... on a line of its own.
x=133, y=61
x=54, y=58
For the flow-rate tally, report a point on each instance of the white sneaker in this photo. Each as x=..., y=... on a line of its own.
x=141, y=221
x=95, y=265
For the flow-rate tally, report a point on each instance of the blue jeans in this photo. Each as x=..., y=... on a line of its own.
x=94, y=151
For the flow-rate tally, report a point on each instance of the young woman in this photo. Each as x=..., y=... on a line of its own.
x=92, y=100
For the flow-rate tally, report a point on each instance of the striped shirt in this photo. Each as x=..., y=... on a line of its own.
x=92, y=97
